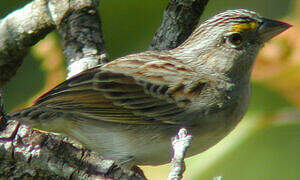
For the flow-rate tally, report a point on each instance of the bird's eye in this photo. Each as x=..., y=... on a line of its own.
x=234, y=40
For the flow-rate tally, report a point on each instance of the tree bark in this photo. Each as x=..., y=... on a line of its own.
x=180, y=19
x=81, y=34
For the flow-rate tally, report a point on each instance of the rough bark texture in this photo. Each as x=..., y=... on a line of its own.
x=81, y=34
x=180, y=19
x=27, y=153
x=31, y=154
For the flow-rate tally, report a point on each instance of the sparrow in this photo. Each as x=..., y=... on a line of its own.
x=130, y=108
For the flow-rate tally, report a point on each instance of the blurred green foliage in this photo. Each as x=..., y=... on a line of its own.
x=129, y=26
x=266, y=100
x=29, y=80
x=267, y=152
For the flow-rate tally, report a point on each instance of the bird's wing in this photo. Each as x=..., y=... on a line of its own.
x=127, y=91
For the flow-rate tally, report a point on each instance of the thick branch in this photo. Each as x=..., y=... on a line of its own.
x=28, y=153
x=81, y=33
x=179, y=21
x=18, y=31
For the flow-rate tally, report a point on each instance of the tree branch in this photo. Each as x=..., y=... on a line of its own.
x=18, y=31
x=29, y=153
x=81, y=34
x=180, y=19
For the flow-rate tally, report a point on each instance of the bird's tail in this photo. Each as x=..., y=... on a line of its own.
x=37, y=118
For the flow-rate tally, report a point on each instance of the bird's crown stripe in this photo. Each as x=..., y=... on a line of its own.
x=246, y=26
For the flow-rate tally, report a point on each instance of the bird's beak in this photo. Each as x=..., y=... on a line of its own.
x=270, y=28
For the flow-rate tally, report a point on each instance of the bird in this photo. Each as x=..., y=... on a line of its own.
x=130, y=108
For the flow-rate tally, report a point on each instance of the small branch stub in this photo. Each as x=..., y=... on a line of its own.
x=180, y=144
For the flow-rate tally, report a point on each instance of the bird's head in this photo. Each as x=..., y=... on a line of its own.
x=230, y=41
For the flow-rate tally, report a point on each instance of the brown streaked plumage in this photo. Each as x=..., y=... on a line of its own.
x=145, y=90
x=129, y=109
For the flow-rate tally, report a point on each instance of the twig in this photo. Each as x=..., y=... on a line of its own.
x=180, y=144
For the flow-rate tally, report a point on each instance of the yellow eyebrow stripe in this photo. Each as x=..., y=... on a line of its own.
x=244, y=26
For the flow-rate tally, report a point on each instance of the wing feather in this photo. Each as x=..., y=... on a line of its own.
x=130, y=95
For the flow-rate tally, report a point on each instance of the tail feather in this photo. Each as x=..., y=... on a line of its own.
x=37, y=117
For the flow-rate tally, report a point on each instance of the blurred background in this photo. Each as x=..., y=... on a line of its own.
x=264, y=146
